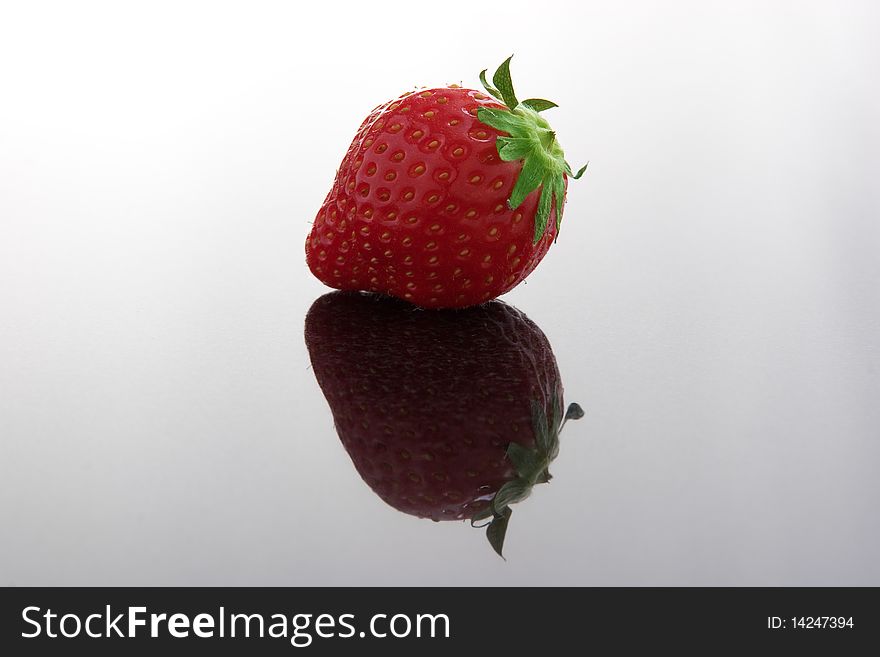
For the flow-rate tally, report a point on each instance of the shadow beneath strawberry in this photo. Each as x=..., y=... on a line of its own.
x=447, y=415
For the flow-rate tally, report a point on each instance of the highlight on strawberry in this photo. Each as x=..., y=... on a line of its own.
x=447, y=197
x=447, y=415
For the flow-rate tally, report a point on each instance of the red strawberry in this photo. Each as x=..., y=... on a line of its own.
x=446, y=197
x=444, y=414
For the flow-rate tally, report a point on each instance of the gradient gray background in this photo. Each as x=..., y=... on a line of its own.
x=713, y=301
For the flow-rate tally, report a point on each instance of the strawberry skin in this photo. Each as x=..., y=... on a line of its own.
x=433, y=205
x=439, y=411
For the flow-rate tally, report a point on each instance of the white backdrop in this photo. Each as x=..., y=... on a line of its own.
x=713, y=300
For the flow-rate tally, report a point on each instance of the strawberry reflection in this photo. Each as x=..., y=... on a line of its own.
x=447, y=415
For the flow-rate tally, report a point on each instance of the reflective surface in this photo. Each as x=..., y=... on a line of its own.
x=712, y=301
x=447, y=415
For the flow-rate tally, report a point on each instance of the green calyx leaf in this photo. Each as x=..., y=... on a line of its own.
x=492, y=90
x=497, y=530
x=579, y=173
x=525, y=460
x=529, y=139
x=532, y=467
x=539, y=104
x=539, y=426
x=504, y=83
x=574, y=412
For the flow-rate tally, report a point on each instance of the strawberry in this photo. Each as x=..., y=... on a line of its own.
x=444, y=414
x=447, y=197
